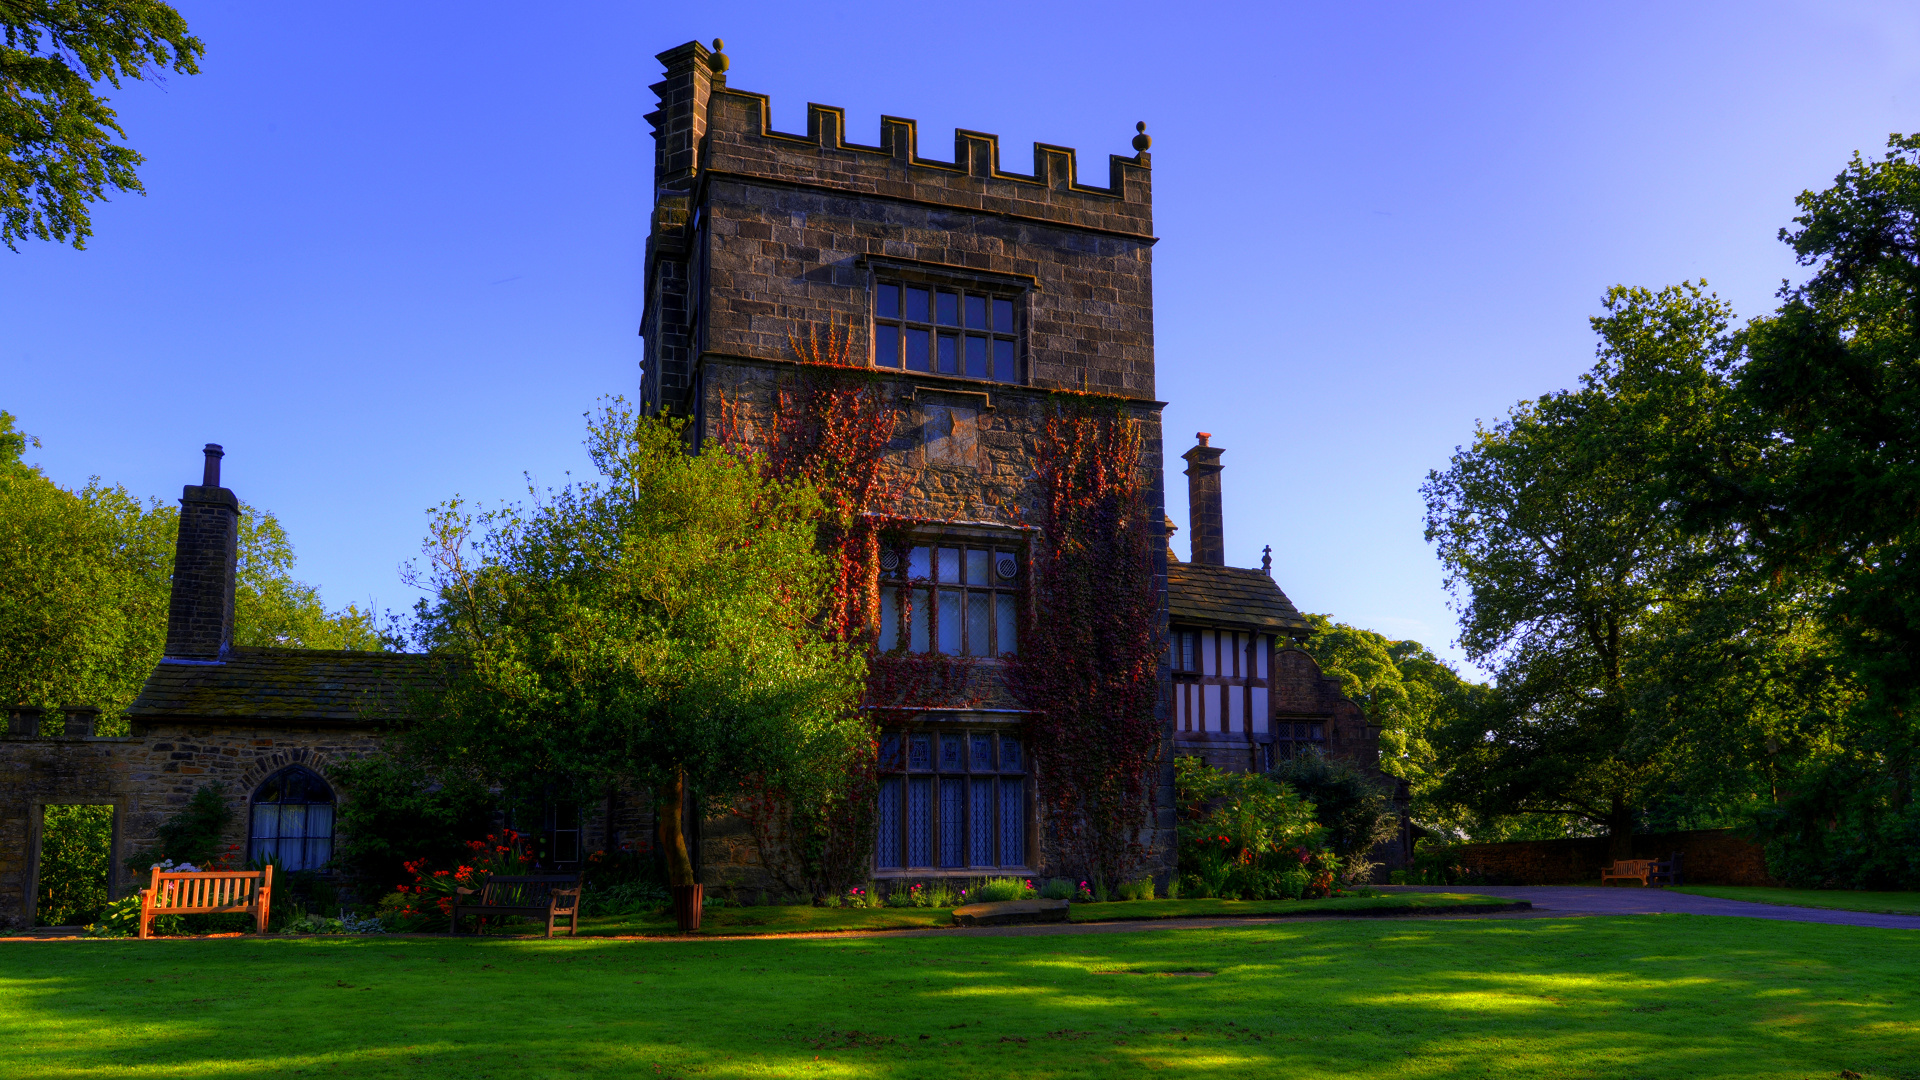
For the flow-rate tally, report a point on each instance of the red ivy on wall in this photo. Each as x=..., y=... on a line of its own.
x=832, y=427
x=1089, y=666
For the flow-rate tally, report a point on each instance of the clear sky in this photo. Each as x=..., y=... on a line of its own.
x=392, y=252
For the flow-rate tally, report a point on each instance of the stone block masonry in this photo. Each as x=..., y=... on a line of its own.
x=146, y=778
x=759, y=234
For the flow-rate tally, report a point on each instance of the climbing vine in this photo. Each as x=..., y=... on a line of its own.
x=831, y=427
x=1089, y=666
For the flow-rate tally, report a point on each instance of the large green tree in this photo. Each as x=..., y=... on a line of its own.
x=1562, y=540
x=1404, y=689
x=56, y=132
x=1833, y=381
x=661, y=628
x=85, y=576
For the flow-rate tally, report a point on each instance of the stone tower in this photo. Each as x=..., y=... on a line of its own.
x=976, y=296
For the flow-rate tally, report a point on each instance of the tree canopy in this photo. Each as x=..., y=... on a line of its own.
x=58, y=132
x=1694, y=574
x=660, y=627
x=1407, y=691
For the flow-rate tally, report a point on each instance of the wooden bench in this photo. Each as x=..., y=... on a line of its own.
x=207, y=892
x=537, y=896
x=1627, y=870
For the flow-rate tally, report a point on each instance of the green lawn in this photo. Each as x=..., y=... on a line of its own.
x=790, y=920
x=1656, y=996
x=1886, y=903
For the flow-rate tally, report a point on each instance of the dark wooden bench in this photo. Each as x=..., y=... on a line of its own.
x=535, y=896
x=1666, y=871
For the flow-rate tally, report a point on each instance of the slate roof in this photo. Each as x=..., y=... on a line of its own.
x=281, y=686
x=1229, y=595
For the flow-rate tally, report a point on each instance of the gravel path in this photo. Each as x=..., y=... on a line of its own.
x=1557, y=900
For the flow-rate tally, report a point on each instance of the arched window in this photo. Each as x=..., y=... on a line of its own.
x=293, y=819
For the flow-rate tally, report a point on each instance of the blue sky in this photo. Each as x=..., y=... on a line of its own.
x=391, y=253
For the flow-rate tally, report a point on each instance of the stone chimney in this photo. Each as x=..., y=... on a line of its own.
x=1208, y=530
x=680, y=120
x=200, y=615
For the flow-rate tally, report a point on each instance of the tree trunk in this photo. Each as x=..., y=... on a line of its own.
x=1620, y=829
x=670, y=801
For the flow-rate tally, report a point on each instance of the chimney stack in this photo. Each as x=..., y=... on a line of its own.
x=1206, y=525
x=200, y=614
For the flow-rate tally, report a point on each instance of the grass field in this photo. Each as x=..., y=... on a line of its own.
x=1658, y=996
x=1886, y=903
x=788, y=920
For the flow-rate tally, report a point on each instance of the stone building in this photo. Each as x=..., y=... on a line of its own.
x=1243, y=696
x=978, y=292
x=265, y=724
x=974, y=297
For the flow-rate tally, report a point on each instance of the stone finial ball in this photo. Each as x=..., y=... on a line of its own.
x=1143, y=140
x=718, y=61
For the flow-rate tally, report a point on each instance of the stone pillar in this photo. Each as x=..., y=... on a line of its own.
x=200, y=615
x=1204, y=515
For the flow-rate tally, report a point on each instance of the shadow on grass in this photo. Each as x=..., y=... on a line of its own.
x=1677, y=996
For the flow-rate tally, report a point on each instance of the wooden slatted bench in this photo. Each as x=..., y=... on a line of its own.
x=1627, y=870
x=207, y=892
x=535, y=896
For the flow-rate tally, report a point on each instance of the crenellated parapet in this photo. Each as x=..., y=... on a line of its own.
x=740, y=140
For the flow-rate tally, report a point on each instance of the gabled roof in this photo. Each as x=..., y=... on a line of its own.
x=1230, y=596
x=282, y=686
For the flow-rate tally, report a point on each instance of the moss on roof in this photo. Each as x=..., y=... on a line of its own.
x=1229, y=595
x=282, y=686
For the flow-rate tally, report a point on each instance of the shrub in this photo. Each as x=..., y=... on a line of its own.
x=938, y=894
x=1352, y=807
x=1057, y=889
x=1137, y=890
x=1293, y=883
x=121, y=918
x=399, y=812
x=637, y=896
x=75, y=849
x=428, y=899
x=993, y=890
x=1239, y=832
x=857, y=897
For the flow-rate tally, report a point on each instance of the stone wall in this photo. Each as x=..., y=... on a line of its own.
x=146, y=778
x=1708, y=857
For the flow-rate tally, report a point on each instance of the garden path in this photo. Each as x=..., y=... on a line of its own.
x=1559, y=900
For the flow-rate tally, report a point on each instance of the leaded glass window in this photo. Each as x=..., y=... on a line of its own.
x=968, y=333
x=1292, y=739
x=292, y=820
x=951, y=800
x=956, y=598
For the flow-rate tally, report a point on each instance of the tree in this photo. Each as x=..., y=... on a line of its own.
x=661, y=628
x=1833, y=379
x=1562, y=540
x=398, y=810
x=58, y=133
x=1408, y=692
x=1355, y=809
x=85, y=577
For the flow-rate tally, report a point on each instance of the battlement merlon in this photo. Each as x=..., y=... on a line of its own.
x=703, y=126
x=740, y=141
